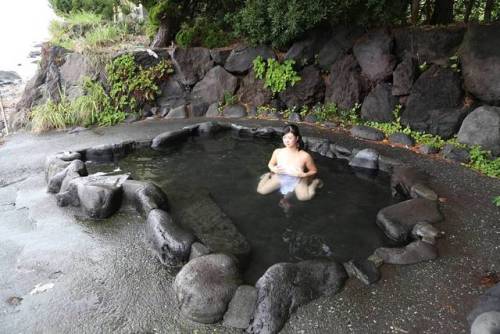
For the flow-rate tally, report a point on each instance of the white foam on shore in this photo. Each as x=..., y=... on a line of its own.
x=23, y=24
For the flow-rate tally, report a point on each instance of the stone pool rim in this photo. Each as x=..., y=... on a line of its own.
x=415, y=188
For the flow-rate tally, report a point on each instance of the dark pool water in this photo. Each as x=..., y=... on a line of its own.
x=338, y=223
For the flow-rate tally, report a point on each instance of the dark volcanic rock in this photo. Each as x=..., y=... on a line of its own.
x=480, y=62
x=488, y=302
x=240, y=60
x=345, y=86
x=144, y=196
x=415, y=252
x=308, y=91
x=441, y=122
x=55, y=182
x=401, y=138
x=286, y=286
x=398, y=220
x=366, y=132
x=219, y=56
x=241, y=308
x=205, y=286
x=436, y=88
x=428, y=149
x=486, y=323
x=367, y=158
x=252, y=91
x=191, y=64
x=404, y=75
x=431, y=45
x=364, y=270
x=374, y=54
x=170, y=137
x=379, y=105
x=482, y=127
x=177, y=113
x=340, y=42
x=234, y=111
x=213, y=86
x=99, y=196
x=455, y=153
x=172, y=95
x=404, y=179
x=170, y=242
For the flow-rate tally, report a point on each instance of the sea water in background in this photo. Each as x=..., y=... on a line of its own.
x=23, y=25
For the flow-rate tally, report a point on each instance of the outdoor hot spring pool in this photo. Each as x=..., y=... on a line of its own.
x=338, y=223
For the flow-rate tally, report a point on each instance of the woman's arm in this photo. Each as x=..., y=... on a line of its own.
x=273, y=162
x=310, y=166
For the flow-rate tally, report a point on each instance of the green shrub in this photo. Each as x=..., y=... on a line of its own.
x=133, y=85
x=276, y=76
x=202, y=33
x=101, y=7
x=496, y=200
x=278, y=22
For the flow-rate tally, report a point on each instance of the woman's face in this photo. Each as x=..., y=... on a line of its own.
x=290, y=140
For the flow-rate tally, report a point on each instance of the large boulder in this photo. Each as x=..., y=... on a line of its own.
x=212, y=226
x=374, y=54
x=480, y=61
x=241, y=308
x=286, y=286
x=415, y=252
x=240, y=59
x=379, y=104
x=191, y=64
x=99, y=196
x=213, y=86
x=172, y=95
x=144, y=196
x=77, y=167
x=205, y=286
x=482, y=127
x=146, y=57
x=405, y=178
x=346, y=86
x=431, y=45
x=169, y=241
x=304, y=51
x=308, y=91
x=488, y=302
x=168, y=138
x=252, y=91
x=404, y=75
x=366, y=158
x=436, y=88
x=339, y=43
x=443, y=122
x=367, y=132
x=74, y=69
x=398, y=220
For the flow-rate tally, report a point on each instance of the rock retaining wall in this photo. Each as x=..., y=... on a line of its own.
x=345, y=66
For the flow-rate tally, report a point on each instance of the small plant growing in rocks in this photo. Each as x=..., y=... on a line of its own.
x=276, y=76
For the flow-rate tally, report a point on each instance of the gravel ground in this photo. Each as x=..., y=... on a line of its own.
x=432, y=297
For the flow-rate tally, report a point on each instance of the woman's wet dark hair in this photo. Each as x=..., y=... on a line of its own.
x=294, y=129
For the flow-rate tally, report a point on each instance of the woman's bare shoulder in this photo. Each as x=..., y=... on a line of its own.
x=305, y=155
